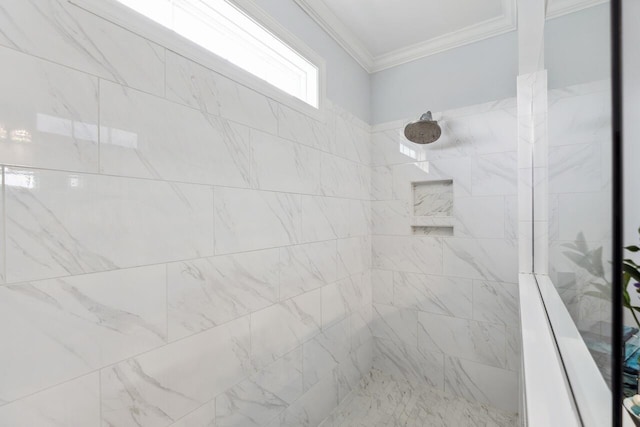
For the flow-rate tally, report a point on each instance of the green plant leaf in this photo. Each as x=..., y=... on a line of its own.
x=632, y=248
x=634, y=273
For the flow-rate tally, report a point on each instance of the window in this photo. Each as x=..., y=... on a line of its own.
x=222, y=28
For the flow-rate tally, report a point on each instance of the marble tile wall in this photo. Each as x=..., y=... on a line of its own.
x=445, y=308
x=579, y=181
x=177, y=250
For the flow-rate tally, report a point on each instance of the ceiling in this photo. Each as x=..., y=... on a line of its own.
x=381, y=34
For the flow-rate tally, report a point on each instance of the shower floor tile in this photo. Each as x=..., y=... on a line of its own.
x=381, y=401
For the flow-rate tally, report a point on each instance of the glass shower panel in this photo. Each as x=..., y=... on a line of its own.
x=579, y=174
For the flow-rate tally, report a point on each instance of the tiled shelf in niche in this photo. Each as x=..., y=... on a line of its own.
x=433, y=198
x=432, y=230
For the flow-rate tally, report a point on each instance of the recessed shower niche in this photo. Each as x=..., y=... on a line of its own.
x=433, y=199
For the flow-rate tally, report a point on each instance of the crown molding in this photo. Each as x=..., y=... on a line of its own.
x=332, y=25
x=471, y=34
x=559, y=8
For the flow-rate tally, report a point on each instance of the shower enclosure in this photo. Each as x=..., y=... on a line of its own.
x=181, y=248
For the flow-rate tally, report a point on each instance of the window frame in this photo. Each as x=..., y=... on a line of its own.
x=127, y=18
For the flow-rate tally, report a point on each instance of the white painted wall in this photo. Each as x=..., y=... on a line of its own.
x=472, y=74
x=577, y=47
x=576, y=51
x=347, y=81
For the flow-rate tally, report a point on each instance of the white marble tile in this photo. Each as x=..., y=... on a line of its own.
x=344, y=297
x=303, y=129
x=390, y=147
x=306, y=267
x=352, y=369
x=259, y=399
x=480, y=217
x=334, y=306
x=354, y=256
x=323, y=218
x=514, y=344
x=204, y=416
x=397, y=324
x=381, y=183
x=482, y=383
x=359, y=217
x=456, y=169
x=490, y=259
x=575, y=168
x=246, y=106
x=280, y=328
x=74, y=403
x=382, y=286
x=352, y=142
x=58, y=220
x=191, y=84
x=496, y=302
x=495, y=174
x=52, y=119
x=433, y=198
x=325, y=351
x=73, y=325
x=361, y=326
x=161, y=386
x=248, y=219
x=281, y=165
x=412, y=254
x=467, y=339
x=450, y=296
x=342, y=178
x=511, y=217
x=313, y=406
x=145, y=136
x=206, y=292
x=61, y=32
x=407, y=363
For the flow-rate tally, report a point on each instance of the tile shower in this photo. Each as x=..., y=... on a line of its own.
x=182, y=251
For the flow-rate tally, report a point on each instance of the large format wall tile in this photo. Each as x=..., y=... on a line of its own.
x=61, y=32
x=281, y=165
x=467, y=339
x=207, y=292
x=411, y=254
x=263, y=396
x=145, y=136
x=247, y=219
x=298, y=127
x=306, y=267
x=489, y=259
x=74, y=403
x=191, y=84
x=73, y=325
x=450, y=296
x=158, y=387
x=204, y=416
x=52, y=119
x=278, y=329
x=60, y=223
x=323, y=218
x=481, y=383
x=406, y=362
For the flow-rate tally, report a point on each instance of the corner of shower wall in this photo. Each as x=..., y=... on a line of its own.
x=445, y=307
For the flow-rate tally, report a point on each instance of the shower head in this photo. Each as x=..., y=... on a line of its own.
x=424, y=131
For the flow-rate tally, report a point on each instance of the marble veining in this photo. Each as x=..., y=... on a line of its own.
x=381, y=401
x=433, y=198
